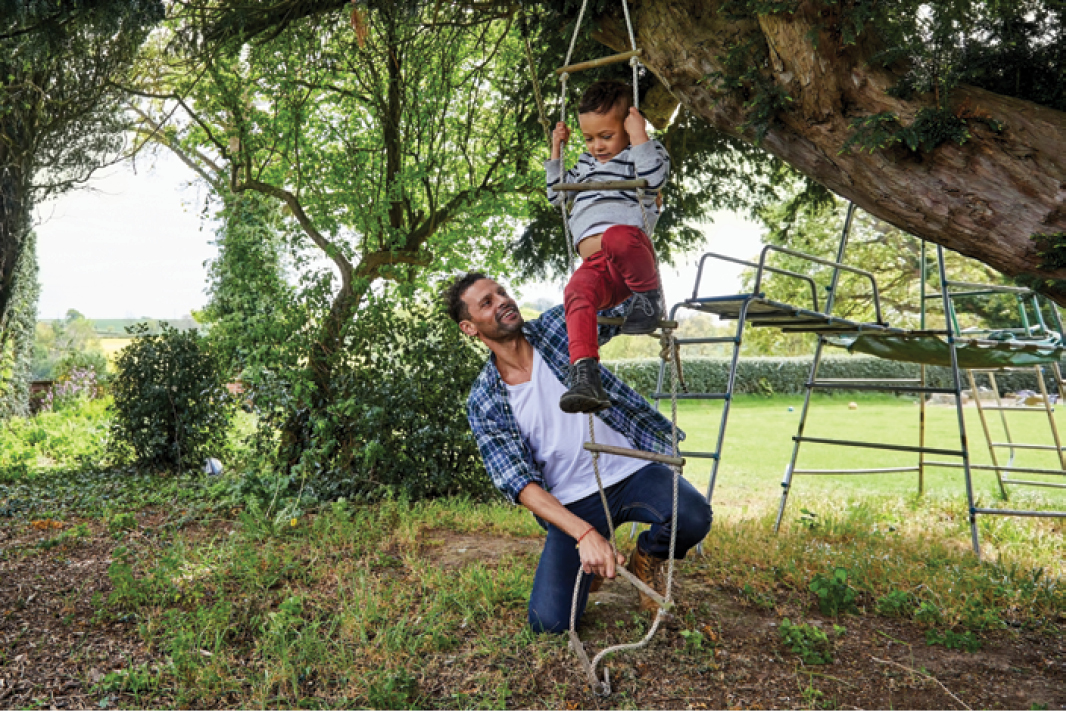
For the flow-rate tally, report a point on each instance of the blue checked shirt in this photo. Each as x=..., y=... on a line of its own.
x=504, y=450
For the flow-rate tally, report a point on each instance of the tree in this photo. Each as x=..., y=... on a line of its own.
x=59, y=117
x=942, y=118
x=386, y=155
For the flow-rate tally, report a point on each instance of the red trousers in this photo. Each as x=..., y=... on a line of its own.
x=624, y=264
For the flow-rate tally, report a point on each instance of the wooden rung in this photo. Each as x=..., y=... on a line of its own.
x=617, y=321
x=601, y=62
x=600, y=185
x=636, y=454
x=640, y=585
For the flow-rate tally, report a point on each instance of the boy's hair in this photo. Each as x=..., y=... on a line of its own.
x=605, y=96
x=453, y=291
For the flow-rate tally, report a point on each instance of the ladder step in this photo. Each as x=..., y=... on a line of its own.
x=599, y=185
x=879, y=445
x=701, y=341
x=868, y=380
x=1044, y=447
x=700, y=455
x=1018, y=470
x=618, y=320
x=1048, y=484
x=640, y=585
x=600, y=62
x=1032, y=514
x=635, y=454
x=691, y=396
x=881, y=470
x=1015, y=409
x=821, y=384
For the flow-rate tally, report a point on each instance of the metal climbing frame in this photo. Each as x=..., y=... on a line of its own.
x=755, y=308
x=1034, y=325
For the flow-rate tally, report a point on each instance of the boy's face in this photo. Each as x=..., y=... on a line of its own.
x=605, y=134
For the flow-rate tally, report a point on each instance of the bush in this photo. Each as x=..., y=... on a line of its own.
x=396, y=419
x=171, y=406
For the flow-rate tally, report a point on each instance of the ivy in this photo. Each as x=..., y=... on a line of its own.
x=1051, y=248
x=930, y=129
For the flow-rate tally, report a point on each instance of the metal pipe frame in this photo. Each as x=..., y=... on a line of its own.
x=754, y=265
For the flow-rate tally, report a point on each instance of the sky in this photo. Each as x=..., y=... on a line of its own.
x=133, y=245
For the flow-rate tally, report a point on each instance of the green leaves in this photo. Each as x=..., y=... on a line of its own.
x=171, y=408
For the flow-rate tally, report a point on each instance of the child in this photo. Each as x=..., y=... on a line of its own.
x=618, y=260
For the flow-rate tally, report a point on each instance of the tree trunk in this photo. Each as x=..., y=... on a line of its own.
x=983, y=199
x=14, y=226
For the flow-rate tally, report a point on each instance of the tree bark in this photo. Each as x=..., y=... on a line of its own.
x=983, y=199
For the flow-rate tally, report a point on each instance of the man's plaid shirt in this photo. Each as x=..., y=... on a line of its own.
x=503, y=449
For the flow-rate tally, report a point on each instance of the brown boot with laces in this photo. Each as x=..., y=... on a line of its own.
x=649, y=569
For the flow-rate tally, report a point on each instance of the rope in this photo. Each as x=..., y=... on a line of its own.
x=542, y=112
x=604, y=688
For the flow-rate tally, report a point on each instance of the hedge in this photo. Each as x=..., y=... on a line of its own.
x=786, y=376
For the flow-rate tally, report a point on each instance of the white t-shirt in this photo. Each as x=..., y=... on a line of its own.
x=556, y=438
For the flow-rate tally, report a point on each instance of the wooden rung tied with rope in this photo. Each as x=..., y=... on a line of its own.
x=601, y=62
x=619, y=320
x=601, y=185
x=635, y=454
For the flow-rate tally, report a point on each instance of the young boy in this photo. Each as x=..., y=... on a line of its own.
x=618, y=260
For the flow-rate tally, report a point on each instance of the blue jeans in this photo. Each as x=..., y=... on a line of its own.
x=645, y=497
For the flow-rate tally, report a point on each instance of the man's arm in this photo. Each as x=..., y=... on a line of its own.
x=594, y=549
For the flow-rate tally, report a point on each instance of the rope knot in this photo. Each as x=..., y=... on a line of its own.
x=634, y=62
x=563, y=77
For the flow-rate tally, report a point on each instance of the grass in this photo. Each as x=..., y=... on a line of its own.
x=350, y=605
x=349, y=608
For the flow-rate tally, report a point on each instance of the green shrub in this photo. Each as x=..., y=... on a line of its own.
x=810, y=643
x=834, y=593
x=171, y=407
x=398, y=422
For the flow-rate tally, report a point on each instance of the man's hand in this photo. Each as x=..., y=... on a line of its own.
x=560, y=135
x=597, y=556
x=636, y=127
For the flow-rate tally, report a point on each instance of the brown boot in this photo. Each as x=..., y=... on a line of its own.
x=649, y=569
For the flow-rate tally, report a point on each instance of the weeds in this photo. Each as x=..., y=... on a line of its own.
x=954, y=640
x=835, y=596
x=810, y=643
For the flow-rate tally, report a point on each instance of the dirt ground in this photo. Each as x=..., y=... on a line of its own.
x=52, y=649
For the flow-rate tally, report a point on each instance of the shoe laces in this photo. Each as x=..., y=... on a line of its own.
x=642, y=303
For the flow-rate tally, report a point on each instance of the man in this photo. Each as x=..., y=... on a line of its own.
x=534, y=453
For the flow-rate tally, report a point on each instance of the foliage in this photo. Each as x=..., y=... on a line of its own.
x=835, y=596
x=70, y=440
x=397, y=423
x=65, y=344
x=16, y=336
x=171, y=407
x=60, y=108
x=1010, y=48
x=75, y=387
x=252, y=310
x=954, y=640
x=810, y=643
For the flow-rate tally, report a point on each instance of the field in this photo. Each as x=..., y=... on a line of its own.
x=140, y=591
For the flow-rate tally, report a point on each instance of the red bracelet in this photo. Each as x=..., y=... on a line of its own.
x=591, y=529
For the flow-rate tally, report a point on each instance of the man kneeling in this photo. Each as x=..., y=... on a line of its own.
x=534, y=453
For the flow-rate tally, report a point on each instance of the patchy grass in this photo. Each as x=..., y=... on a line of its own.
x=370, y=607
x=175, y=591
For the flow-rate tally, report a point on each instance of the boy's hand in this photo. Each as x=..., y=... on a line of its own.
x=560, y=135
x=635, y=127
